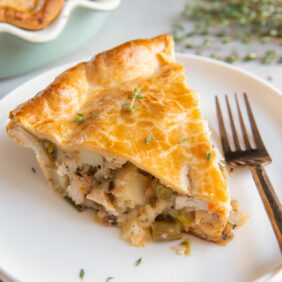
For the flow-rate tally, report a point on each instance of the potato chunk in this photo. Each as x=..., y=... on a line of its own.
x=129, y=187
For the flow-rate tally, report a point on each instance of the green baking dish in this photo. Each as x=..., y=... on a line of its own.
x=22, y=51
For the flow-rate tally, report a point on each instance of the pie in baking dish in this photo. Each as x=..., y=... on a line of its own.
x=30, y=14
x=123, y=134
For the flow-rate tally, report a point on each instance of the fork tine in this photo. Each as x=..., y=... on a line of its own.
x=233, y=128
x=222, y=130
x=243, y=127
x=257, y=137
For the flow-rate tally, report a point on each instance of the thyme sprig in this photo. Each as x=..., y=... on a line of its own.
x=211, y=24
x=135, y=96
x=130, y=108
x=83, y=117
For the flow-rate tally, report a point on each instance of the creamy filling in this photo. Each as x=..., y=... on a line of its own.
x=126, y=196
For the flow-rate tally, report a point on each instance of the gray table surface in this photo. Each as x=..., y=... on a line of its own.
x=137, y=19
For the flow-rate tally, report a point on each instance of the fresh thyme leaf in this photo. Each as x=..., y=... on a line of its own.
x=138, y=262
x=136, y=96
x=225, y=39
x=208, y=155
x=246, y=40
x=214, y=56
x=78, y=119
x=178, y=38
x=188, y=46
x=134, y=108
x=81, y=273
x=82, y=117
x=148, y=139
x=177, y=27
x=33, y=170
x=207, y=43
x=273, y=32
x=220, y=34
x=136, y=91
x=233, y=57
x=109, y=278
x=183, y=140
x=269, y=57
x=264, y=39
x=250, y=57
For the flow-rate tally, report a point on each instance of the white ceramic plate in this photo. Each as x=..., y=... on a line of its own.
x=54, y=29
x=43, y=238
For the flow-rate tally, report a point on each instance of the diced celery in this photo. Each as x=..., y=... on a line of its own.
x=186, y=244
x=186, y=219
x=50, y=149
x=166, y=231
x=163, y=192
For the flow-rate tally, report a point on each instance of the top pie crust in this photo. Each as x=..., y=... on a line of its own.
x=169, y=113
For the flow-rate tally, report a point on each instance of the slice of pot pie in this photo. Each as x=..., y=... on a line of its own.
x=123, y=134
x=31, y=14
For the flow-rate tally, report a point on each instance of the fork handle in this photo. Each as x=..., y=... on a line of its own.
x=270, y=200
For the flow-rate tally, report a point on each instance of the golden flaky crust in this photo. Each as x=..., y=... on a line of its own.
x=169, y=113
x=32, y=14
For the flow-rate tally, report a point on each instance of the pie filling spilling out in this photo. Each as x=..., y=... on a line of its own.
x=30, y=14
x=123, y=134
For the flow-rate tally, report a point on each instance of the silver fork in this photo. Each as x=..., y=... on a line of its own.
x=252, y=158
